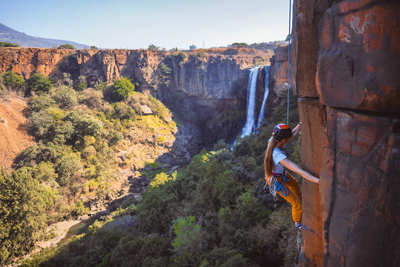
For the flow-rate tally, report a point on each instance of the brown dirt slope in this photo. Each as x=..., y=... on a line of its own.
x=13, y=134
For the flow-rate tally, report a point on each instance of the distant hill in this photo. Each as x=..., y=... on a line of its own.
x=10, y=35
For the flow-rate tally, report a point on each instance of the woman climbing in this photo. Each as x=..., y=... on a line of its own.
x=279, y=180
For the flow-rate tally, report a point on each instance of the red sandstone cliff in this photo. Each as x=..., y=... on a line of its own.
x=347, y=75
x=213, y=81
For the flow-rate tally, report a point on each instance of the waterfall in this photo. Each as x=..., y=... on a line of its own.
x=251, y=99
x=261, y=116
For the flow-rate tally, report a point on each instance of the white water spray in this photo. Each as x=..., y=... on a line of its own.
x=251, y=100
x=261, y=116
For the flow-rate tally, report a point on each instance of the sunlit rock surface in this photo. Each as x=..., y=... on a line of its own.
x=347, y=65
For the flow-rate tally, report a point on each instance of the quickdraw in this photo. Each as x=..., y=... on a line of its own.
x=276, y=186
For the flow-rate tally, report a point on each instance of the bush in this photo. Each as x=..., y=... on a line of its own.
x=7, y=44
x=21, y=215
x=40, y=102
x=152, y=47
x=93, y=47
x=121, y=89
x=187, y=243
x=66, y=97
x=12, y=80
x=67, y=46
x=239, y=45
x=38, y=83
x=163, y=72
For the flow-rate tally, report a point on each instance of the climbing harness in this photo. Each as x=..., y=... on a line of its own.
x=288, y=68
x=276, y=186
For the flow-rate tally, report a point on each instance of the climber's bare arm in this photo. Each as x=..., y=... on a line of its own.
x=293, y=167
x=295, y=131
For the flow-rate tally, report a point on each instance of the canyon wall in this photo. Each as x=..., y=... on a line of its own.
x=206, y=88
x=347, y=66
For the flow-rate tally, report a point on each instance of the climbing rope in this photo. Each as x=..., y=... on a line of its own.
x=288, y=69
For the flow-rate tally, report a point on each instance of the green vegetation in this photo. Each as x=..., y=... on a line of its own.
x=212, y=212
x=22, y=202
x=200, y=55
x=93, y=47
x=163, y=72
x=7, y=44
x=121, y=89
x=239, y=45
x=153, y=47
x=12, y=80
x=78, y=134
x=181, y=56
x=38, y=83
x=66, y=46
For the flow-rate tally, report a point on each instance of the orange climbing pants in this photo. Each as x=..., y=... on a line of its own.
x=294, y=196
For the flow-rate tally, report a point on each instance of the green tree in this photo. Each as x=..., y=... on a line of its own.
x=66, y=46
x=239, y=45
x=288, y=37
x=38, y=83
x=121, y=89
x=7, y=44
x=153, y=47
x=93, y=47
x=163, y=72
x=21, y=214
x=12, y=80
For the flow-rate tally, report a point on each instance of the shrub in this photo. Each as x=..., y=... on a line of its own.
x=7, y=44
x=163, y=72
x=121, y=89
x=153, y=47
x=66, y=97
x=91, y=98
x=40, y=102
x=239, y=45
x=80, y=209
x=38, y=83
x=81, y=86
x=187, y=243
x=66, y=46
x=68, y=167
x=93, y=47
x=12, y=80
x=21, y=216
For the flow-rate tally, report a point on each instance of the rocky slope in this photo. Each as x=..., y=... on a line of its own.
x=206, y=87
x=347, y=61
x=14, y=136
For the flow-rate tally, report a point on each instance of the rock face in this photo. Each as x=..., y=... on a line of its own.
x=14, y=137
x=208, y=84
x=347, y=65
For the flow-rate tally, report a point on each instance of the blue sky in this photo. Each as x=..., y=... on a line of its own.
x=136, y=24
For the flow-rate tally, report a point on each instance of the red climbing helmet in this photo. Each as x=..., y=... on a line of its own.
x=282, y=131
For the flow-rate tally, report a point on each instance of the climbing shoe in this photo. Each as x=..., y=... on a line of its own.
x=298, y=225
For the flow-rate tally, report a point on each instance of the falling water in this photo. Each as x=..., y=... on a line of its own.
x=261, y=116
x=251, y=99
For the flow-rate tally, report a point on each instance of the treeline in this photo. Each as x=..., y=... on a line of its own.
x=214, y=212
x=77, y=134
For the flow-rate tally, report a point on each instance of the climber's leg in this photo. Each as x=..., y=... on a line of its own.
x=295, y=201
x=293, y=185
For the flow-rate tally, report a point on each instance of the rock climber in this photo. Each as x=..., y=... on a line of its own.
x=279, y=180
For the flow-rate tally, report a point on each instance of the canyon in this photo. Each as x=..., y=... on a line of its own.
x=211, y=82
x=346, y=67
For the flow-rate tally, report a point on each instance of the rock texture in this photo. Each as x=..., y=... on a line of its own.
x=212, y=83
x=347, y=65
x=14, y=136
